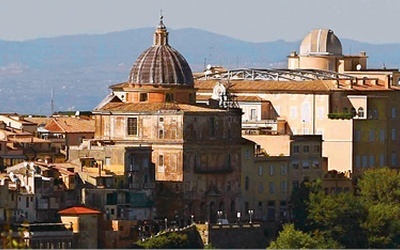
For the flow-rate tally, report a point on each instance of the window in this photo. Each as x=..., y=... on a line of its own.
x=364, y=161
x=358, y=161
x=283, y=186
x=161, y=134
x=357, y=136
x=381, y=160
x=143, y=97
x=393, y=112
x=161, y=119
x=382, y=135
x=169, y=97
x=393, y=134
x=316, y=149
x=295, y=165
x=27, y=201
x=260, y=170
x=371, y=161
x=283, y=169
x=107, y=161
x=296, y=149
x=260, y=188
x=271, y=170
x=247, y=183
x=253, y=114
x=161, y=160
x=315, y=164
x=306, y=149
x=371, y=135
x=271, y=187
x=394, y=159
x=305, y=165
x=361, y=112
x=132, y=126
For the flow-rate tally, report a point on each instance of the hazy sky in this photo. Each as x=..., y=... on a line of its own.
x=374, y=21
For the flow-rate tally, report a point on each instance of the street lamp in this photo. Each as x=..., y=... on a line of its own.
x=238, y=215
x=192, y=217
x=166, y=223
x=251, y=212
x=219, y=212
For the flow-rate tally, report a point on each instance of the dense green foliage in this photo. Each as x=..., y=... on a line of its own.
x=343, y=115
x=290, y=238
x=367, y=218
x=169, y=240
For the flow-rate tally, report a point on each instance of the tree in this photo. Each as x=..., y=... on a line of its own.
x=380, y=185
x=338, y=216
x=169, y=240
x=290, y=238
x=379, y=193
x=299, y=199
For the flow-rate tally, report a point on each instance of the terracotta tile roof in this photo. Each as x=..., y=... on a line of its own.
x=153, y=107
x=71, y=125
x=78, y=210
x=239, y=98
x=288, y=86
x=255, y=86
x=39, y=120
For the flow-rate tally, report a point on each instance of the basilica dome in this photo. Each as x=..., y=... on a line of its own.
x=321, y=42
x=161, y=64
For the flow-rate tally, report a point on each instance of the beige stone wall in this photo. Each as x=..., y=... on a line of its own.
x=274, y=145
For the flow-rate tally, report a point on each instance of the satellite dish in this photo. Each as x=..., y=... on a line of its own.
x=358, y=67
x=209, y=66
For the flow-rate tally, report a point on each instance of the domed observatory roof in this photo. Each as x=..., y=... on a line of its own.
x=161, y=64
x=321, y=42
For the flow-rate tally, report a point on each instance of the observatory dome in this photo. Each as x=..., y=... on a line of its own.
x=321, y=42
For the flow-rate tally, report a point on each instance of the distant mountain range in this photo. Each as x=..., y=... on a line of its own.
x=76, y=70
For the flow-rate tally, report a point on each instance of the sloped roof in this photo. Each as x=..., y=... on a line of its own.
x=78, y=210
x=270, y=85
x=71, y=125
x=153, y=107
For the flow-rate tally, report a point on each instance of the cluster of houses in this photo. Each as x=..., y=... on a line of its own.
x=171, y=147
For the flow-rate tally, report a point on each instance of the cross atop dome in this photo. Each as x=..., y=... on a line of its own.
x=161, y=24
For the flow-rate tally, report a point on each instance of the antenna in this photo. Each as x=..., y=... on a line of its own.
x=52, y=101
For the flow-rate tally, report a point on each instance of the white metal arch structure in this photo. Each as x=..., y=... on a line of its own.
x=276, y=75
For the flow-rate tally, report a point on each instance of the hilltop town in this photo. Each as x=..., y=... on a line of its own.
x=219, y=151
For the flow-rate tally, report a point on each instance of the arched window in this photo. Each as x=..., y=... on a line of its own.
x=360, y=112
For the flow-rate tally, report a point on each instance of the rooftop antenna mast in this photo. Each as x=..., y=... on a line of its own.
x=52, y=101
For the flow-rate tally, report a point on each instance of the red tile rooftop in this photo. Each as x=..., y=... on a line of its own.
x=78, y=210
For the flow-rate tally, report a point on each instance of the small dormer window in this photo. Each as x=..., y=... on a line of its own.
x=143, y=97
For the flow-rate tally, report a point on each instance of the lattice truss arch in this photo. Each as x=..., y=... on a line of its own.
x=277, y=75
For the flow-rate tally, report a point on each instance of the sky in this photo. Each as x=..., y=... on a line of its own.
x=373, y=21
